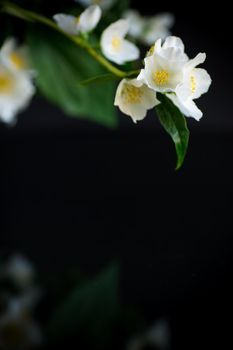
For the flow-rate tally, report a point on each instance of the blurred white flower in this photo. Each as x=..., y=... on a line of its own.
x=18, y=330
x=114, y=45
x=195, y=83
x=136, y=23
x=85, y=23
x=19, y=270
x=104, y=4
x=157, y=27
x=164, y=67
x=16, y=91
x=134, y=98
x=158, y=337
x=16, y=56
x=148, y=29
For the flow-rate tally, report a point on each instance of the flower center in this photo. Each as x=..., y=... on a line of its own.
x=193, y=84
x=131, y=94
x=161, y=77
x=17, y=60
x=116, y=43
x=5, y=83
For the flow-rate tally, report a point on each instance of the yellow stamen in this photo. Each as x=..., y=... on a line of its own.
x=193, y=84
x=131, y=94
x=116, y=43
x=161, y=77
x=5, y=83
x=151, y=51
x=77, y=20
x=17, y=60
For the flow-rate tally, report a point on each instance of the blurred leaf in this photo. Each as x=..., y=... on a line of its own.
x=175, y=124
x=61, y=66
x=90, y=311
x=98, y=79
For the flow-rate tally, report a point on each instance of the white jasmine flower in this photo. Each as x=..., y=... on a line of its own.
x=157, y=27
x=134, y=98
x=114, y=45
x=18, y=330
x=136, y=23
x=16, y=91
x=16, y=57
x=148, y=29
x=19, y=270
x=164, y=66
x=195, y=83
x=85, y=23
x=157, y=337
x=104, y=4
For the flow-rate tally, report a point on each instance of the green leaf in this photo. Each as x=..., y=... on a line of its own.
x=61, y=67
x=175, y=124
x=90, y=311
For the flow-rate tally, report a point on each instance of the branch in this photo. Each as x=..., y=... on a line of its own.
x=14, y=10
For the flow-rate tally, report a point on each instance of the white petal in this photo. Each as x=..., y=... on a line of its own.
x=157, y=27
x=136, y=22
x=188, y=108
x=164, y=19
x=18, y=96
x=141, y=77
x=90, y=18
x=67, y=23
x=183, y=91
x=199, y=59
x=203, y=82
x=117, y=29
x=149, y=99
x=174, y=54
x=130, y=52
x=8, y=47
x=174, y=41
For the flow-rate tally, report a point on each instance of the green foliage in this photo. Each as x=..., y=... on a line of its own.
x=61, y=67
x=89, y=312
x=175, y=124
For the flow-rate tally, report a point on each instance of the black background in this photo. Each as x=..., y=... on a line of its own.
x=73, y=193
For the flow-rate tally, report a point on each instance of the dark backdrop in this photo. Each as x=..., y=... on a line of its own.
x=73, y=193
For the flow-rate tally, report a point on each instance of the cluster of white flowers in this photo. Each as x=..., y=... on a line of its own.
x=167, y=70
x=148, y=29
x=113, y=43
x=16, y=80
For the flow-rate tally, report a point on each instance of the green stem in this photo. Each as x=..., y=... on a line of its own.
x=19, y=12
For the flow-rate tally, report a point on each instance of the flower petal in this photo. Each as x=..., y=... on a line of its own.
x=203, y=82
x=67, y=23
x=199, y=59
x=90, y=18
x=173, y=41
x=188, y=108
